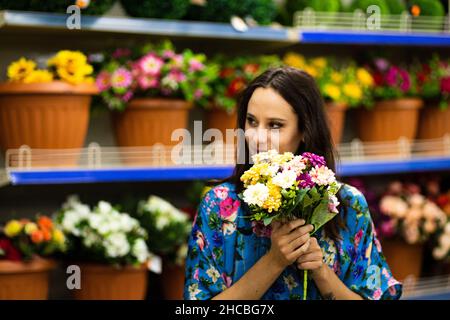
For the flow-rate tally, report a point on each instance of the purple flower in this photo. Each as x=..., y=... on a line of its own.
x=406, y=82
x=382, y=64
x=391, y=76
x=121, y=52
x=314, y=159
x=305, y=181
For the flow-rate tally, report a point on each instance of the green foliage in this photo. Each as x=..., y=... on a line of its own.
x=429, y=7
x=97, y=7
x=167, y=9
x=364, y=4
x=396, y=6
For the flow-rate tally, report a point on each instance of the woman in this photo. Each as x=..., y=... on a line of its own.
x=231, y=257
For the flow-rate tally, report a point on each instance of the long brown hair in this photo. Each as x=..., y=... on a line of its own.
x=300, y=90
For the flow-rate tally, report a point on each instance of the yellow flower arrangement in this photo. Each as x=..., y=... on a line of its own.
x=333, y=91
x=66, y=65
x=13, y=228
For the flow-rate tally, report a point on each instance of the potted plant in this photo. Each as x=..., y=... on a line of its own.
x=46, y=108
x=25, y=250
x=170, y=229
x=407, y=220
x=151, y=91
x=395, y=112
x=433, y=82
x=110, y=249
x=235, y=74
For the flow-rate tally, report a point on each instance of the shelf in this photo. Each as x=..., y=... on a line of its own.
x=375, y=38
x=179, y=173
x=46, y=22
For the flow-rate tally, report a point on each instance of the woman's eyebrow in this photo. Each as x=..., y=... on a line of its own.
x=277, y=119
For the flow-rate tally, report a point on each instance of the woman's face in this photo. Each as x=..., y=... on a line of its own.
x=271, y=123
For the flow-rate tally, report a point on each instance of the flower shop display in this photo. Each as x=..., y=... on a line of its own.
x=433, y=84
x=235, y=74
x=407, y=220
x=342, y=85
x=170, y=229
x=285, y=187
x=46, y=107
x=261, y=11
x=169, y=9
x=152, y=90
x=26, y=247
x=97, y=7
x=395, y=112
x=328, y=6
x=110, y=249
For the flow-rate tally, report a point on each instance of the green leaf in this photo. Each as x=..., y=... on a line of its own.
x=300, y=196
x=268, y=220
x=321, y=215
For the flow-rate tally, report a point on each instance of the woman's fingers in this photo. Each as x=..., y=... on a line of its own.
x=299, y=232
x=310, y=257
x=298, y=242
x=291, y=225
x=301, y=250
x=310, y=265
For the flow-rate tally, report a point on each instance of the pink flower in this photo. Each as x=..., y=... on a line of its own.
x=151, y=64
x=388, y=228
x=382, y=64
x=121, y=52
x=121, y=78
x=358, y=237
x=177, y=76
x=445, y=85
x=196, y=274
x=200, y=240
x=168, y=54
x=195, y=65
x=178, y=60
x=198, y=93
x=226, y=279
x=377, y=294
x=228, y=207
x=146, y=82
x=103, y=81
x=127, y=96
x=221, y=192
x=261, y=230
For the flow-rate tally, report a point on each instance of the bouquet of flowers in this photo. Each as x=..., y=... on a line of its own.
x=22, y=239
x=407, y=214
x=285, y=187
x=235, y=74
x=169, y=227
x=103, y=234
x=154, y=71
x=68, y=66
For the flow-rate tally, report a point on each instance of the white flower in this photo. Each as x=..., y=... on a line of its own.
x=104, y=207
x=181, y=254
x=140, y=250
x=447, y=228
x=285, y=179
x=444, y=241
x=90, y=238
x=322, y=175
x=439, y=253
x=264, y=156
x=162, y=222
x=417, y=200
x=333, y=203
x=193, y=291
x=290, y=282
x=70, y=222
x=116, y=245
x=213, y=274
x=256, y=194
x=297, y=164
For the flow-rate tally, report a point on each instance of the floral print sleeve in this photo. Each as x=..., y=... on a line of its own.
x=368, y=273
x=204, y=265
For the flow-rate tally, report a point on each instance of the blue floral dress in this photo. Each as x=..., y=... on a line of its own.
x=225, y=244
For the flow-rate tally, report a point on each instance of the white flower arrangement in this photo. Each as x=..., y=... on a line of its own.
x=102, y=234
x=442, y=249
x=168, y=227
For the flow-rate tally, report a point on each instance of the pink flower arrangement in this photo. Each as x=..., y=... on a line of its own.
x=408, y=214
x=155, y=71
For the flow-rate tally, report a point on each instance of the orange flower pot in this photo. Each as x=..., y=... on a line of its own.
x=434, y=122
x=217, y=118
x=336, y=119
x=50, y=115
x=105, y=282
x=172, y=279
x=25, y=280
x=389, y=120
x=404, y=259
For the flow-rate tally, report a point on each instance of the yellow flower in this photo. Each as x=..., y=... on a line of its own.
x=71, y=66
x=273, y=202
x=205, y=190
x=13, y=228
x=312, y=71
x=319, y=62
x=294, y=60
x=364, y=77
x=30, y=227
x=38, y=76
x=332, y=91
x=352, y=90
x=336, y=77
x=20, y=69
x=58, y=236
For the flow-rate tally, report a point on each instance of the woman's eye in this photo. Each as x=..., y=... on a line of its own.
x=251, y=122
x=275, y=125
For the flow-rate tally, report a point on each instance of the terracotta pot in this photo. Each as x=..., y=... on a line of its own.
x=52, y=115
x=336, y=118
x=105, y=282
x=404, y=259
x=25, y=280
x=172, y=279
x=433, y=122
x=389, y=120
x=217, y=118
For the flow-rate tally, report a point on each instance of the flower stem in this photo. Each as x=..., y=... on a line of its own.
x=305, y=284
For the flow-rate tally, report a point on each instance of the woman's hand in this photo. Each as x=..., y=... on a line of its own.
x=312, y=259
x=289, y=241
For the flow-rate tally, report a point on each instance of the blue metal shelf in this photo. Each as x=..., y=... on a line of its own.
x=375, y=38
x=68, y=176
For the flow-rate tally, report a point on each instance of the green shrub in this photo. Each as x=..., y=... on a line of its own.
x=167, y=9
x=364, y=4
x=396, y=6
x=429, y=7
